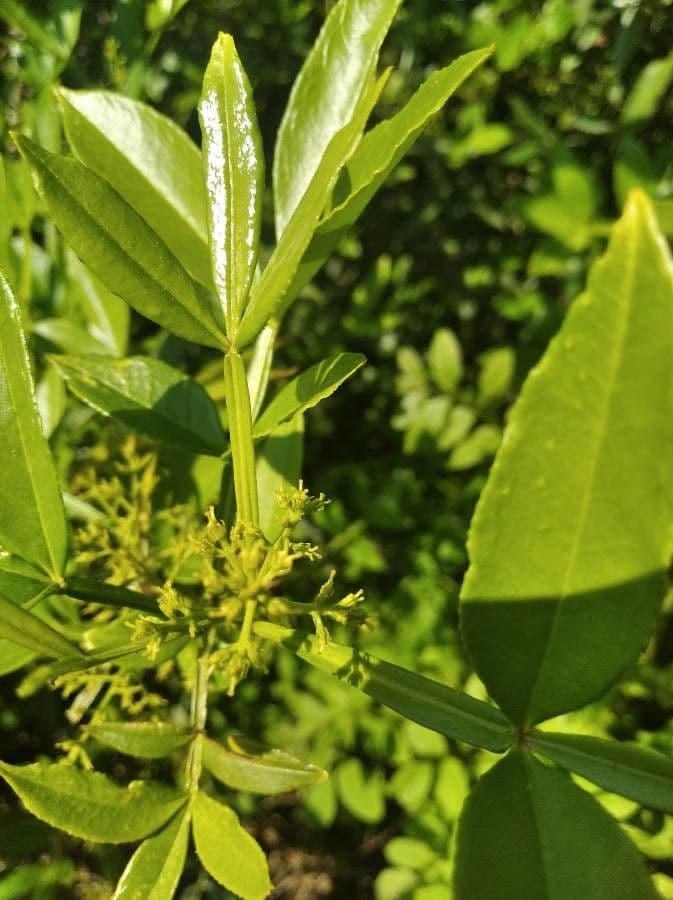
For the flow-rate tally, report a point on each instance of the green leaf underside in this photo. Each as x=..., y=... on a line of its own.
x=572, y=534
x=268, y=290
x=151, y=162
x=228, y=852
x=90, y=805
x=621, y=768
x=377, y=154
x=25, y=629
x=148, y=396
x=246, y=766
x=325, y=95
x=427, y=702
x=119, y=247
x=148, y=740
x=154, y=870
x=307, y=390
x=527, y=831
x=233, y=163
x=279, y=460
x=32, y=518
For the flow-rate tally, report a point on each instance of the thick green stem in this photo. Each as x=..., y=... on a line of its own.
x=242, y=445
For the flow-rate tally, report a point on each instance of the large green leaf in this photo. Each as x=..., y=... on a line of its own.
x=571, y=537
x=269, y=289
x=527, y=831
x=619, y=767
x=155, y=868
x=90, y=805
x=427, y=702
x=247, y=766
x=148, y=396
x=233, y=161
x=307, y=390
x=147, y=159
x=25, y=629
x=325, y=94
x=377, y=154
x=32, y=518
x=228, y=852
x=148, y=740
x=119, y=247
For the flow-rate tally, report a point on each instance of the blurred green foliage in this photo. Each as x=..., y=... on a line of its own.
x=472, y=252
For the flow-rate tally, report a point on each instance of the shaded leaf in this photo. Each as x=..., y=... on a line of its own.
x=23, y=628
x=148, y=740
x=278, y=463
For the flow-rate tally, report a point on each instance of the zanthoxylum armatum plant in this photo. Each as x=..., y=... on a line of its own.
x=569, y=545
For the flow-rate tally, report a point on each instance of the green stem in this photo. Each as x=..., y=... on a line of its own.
x=242, y=445
x=199, y=714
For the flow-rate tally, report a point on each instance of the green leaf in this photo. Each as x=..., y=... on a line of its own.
x=155, y=868
x=90, y=805
x=278, y=468
x=528, y=831
x=233, y=161
x=377, y=154
x=32, y=518
x=445, y=359
x=325, y=95
x=646, y=94
x=148, y=396
x=361, y=793
x=420, y=699
x=149, y=161
x=148, y=740
x=307, y=390
x=50, y=396
x=68, y=337
x=13, y=657
x=23, y=628
x=570, y=540
x=619, y=767
x=245, y=765
x=108, y=316
x=20, y=582
x=228, y=852
x=268, y=290
x=119, y=247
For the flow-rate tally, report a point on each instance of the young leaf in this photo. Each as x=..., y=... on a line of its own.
x=24, y=628
x=155, y=868
x=148, y=740
x=247, y=766
x=119, y=247
x=233, y=163
x=307, y=390
x=325, y=95
x=147, y=159
x=279, y=461
x=420, y=699
x=32, y=518
x=571, y=537
x=377, y=154
x=90, y=805
x=268, y=290
x=527, y=831
x=148, y=396
x=228, y=852
x=616, y=766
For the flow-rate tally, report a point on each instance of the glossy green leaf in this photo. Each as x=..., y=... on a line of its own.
x=307, y=390
x=150, y=161
x=119, y=247
x=279, y=460
x=228, y=852
x=90, y=805
x=268, y=290
x=148, y=396
x=148, y=740
x=420, y=699
x=570, y=540
x=22, y=627
x=377, y=154
x=245, y=765
x=619, y=767
x=527, y=831
x=325, y=95
x=32, y=519
x=155, y=868
x=233, y=161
